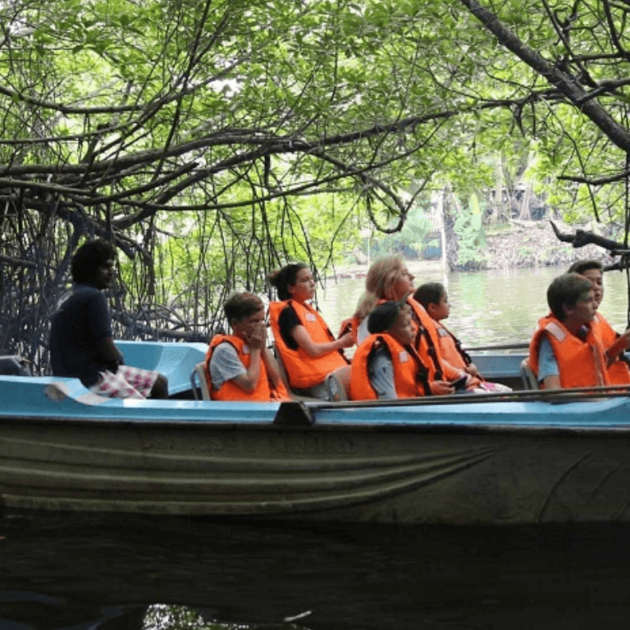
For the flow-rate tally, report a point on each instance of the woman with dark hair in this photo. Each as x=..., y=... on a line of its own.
x=306, y=347
x=81, y=343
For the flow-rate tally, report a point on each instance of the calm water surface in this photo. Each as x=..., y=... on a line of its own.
x=95, y=572
x=489, y=307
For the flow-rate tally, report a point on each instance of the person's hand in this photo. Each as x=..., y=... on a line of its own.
x=257, y=337
x=472, y=370
x=346, y=341
x=441, y=388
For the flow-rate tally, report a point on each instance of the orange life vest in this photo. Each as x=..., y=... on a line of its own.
x=410, y=373
x=229, y=390
x=580, y=363
x=350, y=325
x=427, y=344
x=454, y=354
x=451, y=347
x=618, y=370
x=303, y=370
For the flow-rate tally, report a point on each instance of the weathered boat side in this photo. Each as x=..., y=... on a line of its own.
x=483, y=463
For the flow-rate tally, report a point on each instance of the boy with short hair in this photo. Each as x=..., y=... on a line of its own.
x=614, y=343
x=385, y=365
x=565, y=352
x=240, y=366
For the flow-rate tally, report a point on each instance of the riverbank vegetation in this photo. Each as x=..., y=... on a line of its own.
x=215, y=141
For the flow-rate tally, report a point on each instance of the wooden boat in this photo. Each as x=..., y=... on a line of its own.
x=521, y=458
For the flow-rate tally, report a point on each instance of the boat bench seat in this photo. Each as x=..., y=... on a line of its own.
x=527, y=374
x=175, y=360
x=198, y=382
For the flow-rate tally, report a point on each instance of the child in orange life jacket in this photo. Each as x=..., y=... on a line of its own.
x=386, y=365
x=565, y=352
x=307, y=348
x=240, y=366
x=434, y=298
x=389, y=279
x=614, y=343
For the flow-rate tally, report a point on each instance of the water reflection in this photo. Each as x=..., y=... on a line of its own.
x=96, y=572
x=177, y=617
x=487, y=307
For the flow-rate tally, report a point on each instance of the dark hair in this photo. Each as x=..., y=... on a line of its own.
x=566, y=290
x=384, y=316
x=89, y=257
x=241, y=305
x=429, y=293
x=580, y=266
x=285, y=277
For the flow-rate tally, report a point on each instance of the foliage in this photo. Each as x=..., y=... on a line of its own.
x=214, y=141
x=412, y=238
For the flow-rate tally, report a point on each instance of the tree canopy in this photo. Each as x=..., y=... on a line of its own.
x=213, y=141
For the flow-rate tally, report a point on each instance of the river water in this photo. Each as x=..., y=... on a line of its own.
x=84, y=572
x=489, y=307
x=155, y=573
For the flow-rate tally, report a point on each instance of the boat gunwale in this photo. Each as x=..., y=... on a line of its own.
x=334, y=426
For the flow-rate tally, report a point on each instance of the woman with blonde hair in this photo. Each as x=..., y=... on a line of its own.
x=389, y=279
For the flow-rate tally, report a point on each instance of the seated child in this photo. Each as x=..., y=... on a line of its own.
x=614, y=343
x=304, y=343
x=434, y=298
x=565, y=352
x=385, y=365
x=388, y=278
x=240, y=366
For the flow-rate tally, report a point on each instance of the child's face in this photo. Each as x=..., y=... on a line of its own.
x=442, y=309
x=304, y=287
x=595, y=276
x=245, y=327
x=403, y=330
x=584, y=310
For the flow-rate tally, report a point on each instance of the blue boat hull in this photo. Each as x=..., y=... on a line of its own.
x=457, y=462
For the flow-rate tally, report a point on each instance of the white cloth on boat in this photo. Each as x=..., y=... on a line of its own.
x=127, y=382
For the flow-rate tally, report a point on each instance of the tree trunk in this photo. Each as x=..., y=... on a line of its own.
x=451, y=209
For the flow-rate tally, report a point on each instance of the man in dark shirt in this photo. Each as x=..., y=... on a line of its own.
x=81, y=343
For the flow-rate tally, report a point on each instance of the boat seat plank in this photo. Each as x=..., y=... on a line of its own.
x=174, y=360
x=199, y=383
x=527, y=374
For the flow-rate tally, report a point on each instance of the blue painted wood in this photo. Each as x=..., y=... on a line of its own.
x=32, y=397
x=494, y=365
x=175, y=360
x=461, y=460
